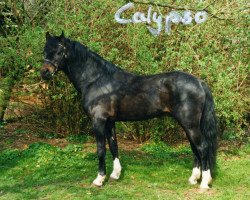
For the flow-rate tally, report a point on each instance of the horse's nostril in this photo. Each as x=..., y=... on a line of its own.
x=45, y=74
x=46, y=71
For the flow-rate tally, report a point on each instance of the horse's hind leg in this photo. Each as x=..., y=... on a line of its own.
x=196, y=172
x=201, y=145
x=112, y=141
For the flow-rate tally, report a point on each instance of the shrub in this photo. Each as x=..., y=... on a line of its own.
x=215, y=51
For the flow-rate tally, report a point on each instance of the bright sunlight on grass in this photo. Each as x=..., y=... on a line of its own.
x=153, y=171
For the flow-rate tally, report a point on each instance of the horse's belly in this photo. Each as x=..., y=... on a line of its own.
x=139, y=107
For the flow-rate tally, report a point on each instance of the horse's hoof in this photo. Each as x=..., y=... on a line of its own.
x=99, y=180
x=204, y=187
x=96, y=185
x=115, y=176
x=192, y=181
x=196, y=175
x=203, y=190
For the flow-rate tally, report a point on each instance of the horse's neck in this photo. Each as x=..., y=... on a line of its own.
x=85, y=67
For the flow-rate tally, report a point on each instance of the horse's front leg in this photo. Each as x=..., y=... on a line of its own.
x=112, y=141
x=99, y=126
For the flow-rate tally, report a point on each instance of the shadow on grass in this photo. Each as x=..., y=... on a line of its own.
x=43, y=167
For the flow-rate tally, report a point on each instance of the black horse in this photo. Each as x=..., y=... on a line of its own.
x=110, y=94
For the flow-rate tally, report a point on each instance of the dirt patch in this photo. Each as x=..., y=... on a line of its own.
x=19, y=135
x=127, y=145
x=16, y=135
x=24, y=140
x=197, y=192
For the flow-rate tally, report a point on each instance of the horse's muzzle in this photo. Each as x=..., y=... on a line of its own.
x=47, y=71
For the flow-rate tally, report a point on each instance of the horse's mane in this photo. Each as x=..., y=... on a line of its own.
x=88, y=53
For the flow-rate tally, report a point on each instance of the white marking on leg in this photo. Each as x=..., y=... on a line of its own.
x=99, y=180
x=116, y=169
x=206, y=179
x=196, y=175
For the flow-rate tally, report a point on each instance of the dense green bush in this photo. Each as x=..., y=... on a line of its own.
x=215, y=51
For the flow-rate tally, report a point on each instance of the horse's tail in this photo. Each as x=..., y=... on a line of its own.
x=209, y=127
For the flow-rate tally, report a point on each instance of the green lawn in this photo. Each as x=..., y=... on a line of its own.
x=152, y=171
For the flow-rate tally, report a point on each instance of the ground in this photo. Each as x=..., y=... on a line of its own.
x=35, y=167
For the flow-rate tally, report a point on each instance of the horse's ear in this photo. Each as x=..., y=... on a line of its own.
x=62, y=35
x=48, y=35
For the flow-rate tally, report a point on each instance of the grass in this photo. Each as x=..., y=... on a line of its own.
x=153, y=171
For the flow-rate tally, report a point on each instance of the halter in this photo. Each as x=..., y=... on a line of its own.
x=53, y=64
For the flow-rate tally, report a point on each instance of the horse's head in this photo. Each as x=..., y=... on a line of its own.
x=55, y=54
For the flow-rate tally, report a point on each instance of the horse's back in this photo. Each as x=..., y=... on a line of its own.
x=144, y=97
